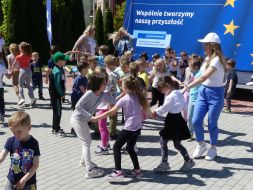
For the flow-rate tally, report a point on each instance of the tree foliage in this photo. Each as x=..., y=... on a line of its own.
x=119, y=15
x=108, y=25
x=99, y=27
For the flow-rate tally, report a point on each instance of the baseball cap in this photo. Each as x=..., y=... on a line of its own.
x=210, y=38
x=59, y=56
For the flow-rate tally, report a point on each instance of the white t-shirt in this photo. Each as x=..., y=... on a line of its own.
x=11, y=58
x=217, y=78
x=159, y=75
x=3, y=71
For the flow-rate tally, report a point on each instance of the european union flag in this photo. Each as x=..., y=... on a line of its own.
x=184, y=22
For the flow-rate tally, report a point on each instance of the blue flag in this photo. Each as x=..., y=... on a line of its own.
x=180, y=23
x=49, y=25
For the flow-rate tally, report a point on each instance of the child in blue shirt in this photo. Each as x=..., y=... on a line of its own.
x=24, y=153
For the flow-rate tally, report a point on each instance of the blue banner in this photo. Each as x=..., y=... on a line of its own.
x=49, y=25
x=180, y=23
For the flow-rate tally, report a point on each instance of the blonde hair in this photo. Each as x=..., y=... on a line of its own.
x=89, y=29
x=134, y=68
x=19, y=118
x=110, y=60
x=159, y=61
x=132, y=84
x=216, y=48
x=14, y=49
x=35, y=54
x=116, y=36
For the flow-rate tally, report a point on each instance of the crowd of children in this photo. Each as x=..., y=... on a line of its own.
x=105, y=85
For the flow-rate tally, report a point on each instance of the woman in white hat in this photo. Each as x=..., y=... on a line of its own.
x=210, y=96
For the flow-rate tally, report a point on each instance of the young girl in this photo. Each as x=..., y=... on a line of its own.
x=85, y=108
x=25, y=75
x=175, y=127
x=133, y=103
x=159, y=72
x=194, y=66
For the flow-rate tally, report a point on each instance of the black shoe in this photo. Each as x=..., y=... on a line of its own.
x=61, y=132
x=53, y=131
x=42, y=98
x=72, y=131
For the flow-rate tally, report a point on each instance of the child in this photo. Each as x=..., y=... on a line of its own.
x=36, y=67
x=230, y=85
x=80, y=84
x=14, y=51
x=24, y=153
x=57, y=90
x=183, y=64
x=133, y=103
x=142, y=71
x=175, y=127
x=25, y=74
x=159, y=71
x=93, y=64
x=85, y=108
x=194, y=67
x=103, y=52
x=113, y=80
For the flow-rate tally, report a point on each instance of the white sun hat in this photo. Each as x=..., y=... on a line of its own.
x=210, y=38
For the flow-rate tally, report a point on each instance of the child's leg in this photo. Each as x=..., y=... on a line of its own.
x=182, y=150
x=113, y=123
x=21, y=79
x=119, y=143
x=164, y=149
x=28, y=81
x=189, y=116
x=57, y=112
x=83, y=133
x=131, y=142
x=40, y=86
x=2, y=103
x=154, y=96
x=103, y=129
x=15, y=76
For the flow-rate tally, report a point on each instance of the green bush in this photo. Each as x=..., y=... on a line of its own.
x=99, y=27
x=108, y=25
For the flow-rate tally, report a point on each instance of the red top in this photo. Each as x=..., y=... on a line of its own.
x=24, y=61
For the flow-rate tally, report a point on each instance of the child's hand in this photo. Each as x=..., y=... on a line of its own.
x=154, y=115
x=20, y=185
x=93, y=119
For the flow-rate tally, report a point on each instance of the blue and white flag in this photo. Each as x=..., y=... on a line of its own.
x=49, y=25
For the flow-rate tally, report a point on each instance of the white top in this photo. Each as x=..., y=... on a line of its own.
x=11, y=58
x=217, y=78
x=2, y=43
x=92, y=44
x=173, y=103
x=3, y=71
x=159, y=75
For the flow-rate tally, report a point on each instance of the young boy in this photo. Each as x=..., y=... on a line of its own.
x=57, y=90
x=80, y=84
x=230, y=85
x=36, y=67
x=103, y=52
x=24, y=153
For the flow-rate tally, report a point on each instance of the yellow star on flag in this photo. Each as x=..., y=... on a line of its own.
x=230, y=2
x=230, y=28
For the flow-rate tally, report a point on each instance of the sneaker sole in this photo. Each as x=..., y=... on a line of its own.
x=161, y=171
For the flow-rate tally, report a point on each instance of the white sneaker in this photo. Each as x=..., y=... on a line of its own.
x=21, y=101
x=82, y=164
x=200, y=149
x=211, y=154
x=94, y=172
x=33, y=101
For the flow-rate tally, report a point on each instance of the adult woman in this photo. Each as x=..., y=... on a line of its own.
x=210, y=96
x=122, y=41
x=86, y=42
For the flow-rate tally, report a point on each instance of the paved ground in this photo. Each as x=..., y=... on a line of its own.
x=59, y=170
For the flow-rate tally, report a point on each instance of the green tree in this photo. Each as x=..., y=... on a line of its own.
x=108, y=25
x=99, y=27
x=77, y=18
x=119, y=15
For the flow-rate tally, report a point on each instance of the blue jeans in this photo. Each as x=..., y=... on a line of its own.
x=210, y=100
x=10, y=186
x=191, y=106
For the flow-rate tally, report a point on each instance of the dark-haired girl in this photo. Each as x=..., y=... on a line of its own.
x=83, y=112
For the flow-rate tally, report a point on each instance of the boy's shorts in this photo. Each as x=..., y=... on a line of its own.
x=10, y=186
